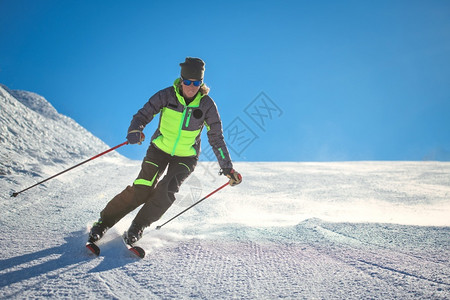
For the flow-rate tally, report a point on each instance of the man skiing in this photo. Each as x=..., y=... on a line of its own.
x=184, y=109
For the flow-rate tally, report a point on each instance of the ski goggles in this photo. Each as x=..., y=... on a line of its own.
x=189, y=82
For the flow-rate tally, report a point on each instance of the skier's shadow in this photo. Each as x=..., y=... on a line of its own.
x=71, y=253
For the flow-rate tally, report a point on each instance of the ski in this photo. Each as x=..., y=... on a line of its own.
x=136, y=250
x=93, y=247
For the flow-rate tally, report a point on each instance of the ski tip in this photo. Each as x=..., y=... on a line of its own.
x=14, y=194
x=138, y=251
x=158, y=227
x=93, y=248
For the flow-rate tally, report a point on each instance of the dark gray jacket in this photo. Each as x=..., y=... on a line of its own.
x=180, y=125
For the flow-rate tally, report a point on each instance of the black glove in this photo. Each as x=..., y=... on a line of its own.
x=235, y=177
x=135, y=137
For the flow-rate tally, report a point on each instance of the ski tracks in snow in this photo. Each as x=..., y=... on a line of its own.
x=403, y=272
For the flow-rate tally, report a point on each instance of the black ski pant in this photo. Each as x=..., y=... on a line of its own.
x=156, y=195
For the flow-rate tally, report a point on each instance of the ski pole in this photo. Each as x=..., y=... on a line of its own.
x=92, y=158
x=218, y=189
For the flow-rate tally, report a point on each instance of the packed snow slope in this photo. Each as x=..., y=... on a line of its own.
x=347, y=230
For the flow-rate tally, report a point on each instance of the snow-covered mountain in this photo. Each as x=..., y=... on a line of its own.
x=347, y=230
x=36, y=139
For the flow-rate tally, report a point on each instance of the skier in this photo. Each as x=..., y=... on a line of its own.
x=184, y=109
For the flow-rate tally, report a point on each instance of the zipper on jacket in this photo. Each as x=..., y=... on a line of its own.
x=188, y=118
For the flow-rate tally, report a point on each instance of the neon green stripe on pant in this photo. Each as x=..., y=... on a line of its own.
x=146, y=182
x=189, y=169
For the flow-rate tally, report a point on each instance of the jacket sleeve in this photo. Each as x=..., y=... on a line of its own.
x=147, y=112
x=215, y=137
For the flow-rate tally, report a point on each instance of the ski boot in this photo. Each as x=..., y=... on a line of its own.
x=134, y=233
x=97, y=231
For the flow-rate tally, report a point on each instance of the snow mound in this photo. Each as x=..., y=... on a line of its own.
x=35, y=102
x=36, y=139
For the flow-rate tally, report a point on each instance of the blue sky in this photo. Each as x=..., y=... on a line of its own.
x=293, y=80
